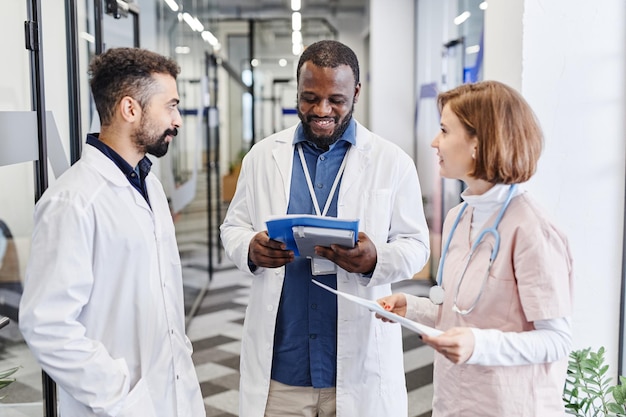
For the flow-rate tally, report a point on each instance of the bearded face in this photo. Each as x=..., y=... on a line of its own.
x=160, y=118
x=325, y=140
x=149, y=139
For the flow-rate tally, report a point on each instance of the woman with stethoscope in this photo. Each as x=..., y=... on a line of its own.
x=504, y=287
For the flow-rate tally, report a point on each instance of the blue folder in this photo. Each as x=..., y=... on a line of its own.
x=282, y=229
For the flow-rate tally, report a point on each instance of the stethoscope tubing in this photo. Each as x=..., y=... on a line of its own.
x=493, y=230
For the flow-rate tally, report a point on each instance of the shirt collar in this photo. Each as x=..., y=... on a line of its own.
x=348, y=136
x=144, y=164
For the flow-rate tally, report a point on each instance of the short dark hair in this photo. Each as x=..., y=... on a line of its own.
x=329, y=54
x=120, y=72
x=510, y=139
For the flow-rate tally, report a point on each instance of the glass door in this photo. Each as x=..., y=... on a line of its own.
x=18, y=150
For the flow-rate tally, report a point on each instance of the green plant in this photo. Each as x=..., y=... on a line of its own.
x=588, y=391
x=4, y=377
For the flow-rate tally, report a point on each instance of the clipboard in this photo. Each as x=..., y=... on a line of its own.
x=376, y=308
x=308, y=237
x=302, y=232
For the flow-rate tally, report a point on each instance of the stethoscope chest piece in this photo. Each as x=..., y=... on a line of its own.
x=436, y=294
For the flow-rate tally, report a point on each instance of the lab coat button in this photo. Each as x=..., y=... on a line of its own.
x=270, y=307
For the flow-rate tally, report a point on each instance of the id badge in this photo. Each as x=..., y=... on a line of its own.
x=322, y=266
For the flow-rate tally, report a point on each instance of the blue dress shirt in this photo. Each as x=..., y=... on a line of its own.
x=305, y=340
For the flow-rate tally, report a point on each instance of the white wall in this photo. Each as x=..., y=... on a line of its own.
x=392, y=49
x=503, y=42
x=574, y=77
x=353, y=34
x=572, y=72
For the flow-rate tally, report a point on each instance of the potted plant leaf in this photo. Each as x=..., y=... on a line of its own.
x=588, y=390
x=5, y=379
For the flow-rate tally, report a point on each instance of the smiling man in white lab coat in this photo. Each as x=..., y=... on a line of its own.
x=304, y=352
x=102, y=309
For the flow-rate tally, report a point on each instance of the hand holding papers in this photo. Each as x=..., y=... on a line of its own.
x=376, y=308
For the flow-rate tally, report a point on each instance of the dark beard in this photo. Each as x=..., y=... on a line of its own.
x=324, y=142
x=159, y=147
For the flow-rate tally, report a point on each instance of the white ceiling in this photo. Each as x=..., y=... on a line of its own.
x=246, y=9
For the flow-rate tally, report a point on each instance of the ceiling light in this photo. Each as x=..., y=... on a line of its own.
x=173, y=5
x=296, y=49
x=189, y=20
x=282, y=62
x=296, y=21
x=88, y=37
x=182, y=50
x=483, y=5
x=462, y=17
x=295, y=5
x=199, y=27
x=296, y=36
x=209, y=37
x=472, y=49
x=254, y=62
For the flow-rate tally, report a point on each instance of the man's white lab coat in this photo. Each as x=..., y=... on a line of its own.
x=380, y=187
x=102, y=309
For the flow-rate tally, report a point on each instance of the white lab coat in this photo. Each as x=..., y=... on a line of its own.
x=380, y=187
x=102, y=309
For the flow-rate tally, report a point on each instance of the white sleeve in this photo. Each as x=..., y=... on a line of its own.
x=550, y=341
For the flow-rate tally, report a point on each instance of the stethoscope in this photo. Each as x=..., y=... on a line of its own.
x=437, y=292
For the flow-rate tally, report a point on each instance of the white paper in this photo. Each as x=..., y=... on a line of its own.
x=376, y=308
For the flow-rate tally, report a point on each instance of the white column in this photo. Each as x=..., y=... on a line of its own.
x=574, y=73
x=391, y=77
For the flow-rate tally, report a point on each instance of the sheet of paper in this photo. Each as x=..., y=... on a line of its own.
x=375, y=307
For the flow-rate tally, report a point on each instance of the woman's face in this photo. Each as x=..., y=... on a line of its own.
x=455, y=147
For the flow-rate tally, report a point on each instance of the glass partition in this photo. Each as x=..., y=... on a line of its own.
x=24, y=396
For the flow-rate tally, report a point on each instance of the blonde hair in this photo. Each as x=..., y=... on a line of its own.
x=510, y=139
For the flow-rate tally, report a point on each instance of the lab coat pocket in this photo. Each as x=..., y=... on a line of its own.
x=138, y=402
x=376, y=214
x=390, y=357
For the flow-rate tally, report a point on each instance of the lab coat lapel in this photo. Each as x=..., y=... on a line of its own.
x=283, y=159
x=359, y=158
x=111, y=172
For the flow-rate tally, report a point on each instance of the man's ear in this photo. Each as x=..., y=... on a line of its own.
x=357, y=91
x=129, y=109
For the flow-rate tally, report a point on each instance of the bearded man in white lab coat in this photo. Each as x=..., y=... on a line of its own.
x=305, y=352
x=102, y=309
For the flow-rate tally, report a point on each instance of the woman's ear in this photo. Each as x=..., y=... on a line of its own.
x=474, y=141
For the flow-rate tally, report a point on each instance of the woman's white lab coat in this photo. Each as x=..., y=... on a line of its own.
x=102, y=309
x=380, y=187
